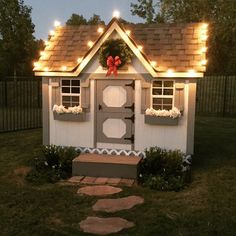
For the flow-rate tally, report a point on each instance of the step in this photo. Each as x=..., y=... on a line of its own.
x=111, y=166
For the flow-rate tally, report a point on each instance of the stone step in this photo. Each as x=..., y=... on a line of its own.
x=111, y=166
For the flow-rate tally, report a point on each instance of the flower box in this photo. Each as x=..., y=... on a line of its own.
x=69, y=116
x=161, y=120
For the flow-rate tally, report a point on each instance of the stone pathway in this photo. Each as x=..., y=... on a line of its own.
x=105, y=226
x=99, y=190
x=100, y=180
x=114, y=205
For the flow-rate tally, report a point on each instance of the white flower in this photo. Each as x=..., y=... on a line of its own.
x=45, y=163
x=61, y=109
x=173, y=113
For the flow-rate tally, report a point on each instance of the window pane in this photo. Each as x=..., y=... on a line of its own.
x=65, y=82
x=75, y=90
x=65, y=98
x=157, y=83
x=75, y=82
x=66, y=104
x=167, y=107
x=168, y=83
x=167, y=101
x=157, y=107
x=75, y=104
x=157, y=101
x=157, y=91
x=75, y=99
x=65, y=90
x=168, y=91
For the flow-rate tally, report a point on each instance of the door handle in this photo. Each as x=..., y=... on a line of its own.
x=99, y=107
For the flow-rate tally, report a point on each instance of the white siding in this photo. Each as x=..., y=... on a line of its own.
x=169, y=137
x=75, y=134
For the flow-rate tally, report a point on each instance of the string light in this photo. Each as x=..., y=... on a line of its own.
x=116, y=14
x=140, y=48
x=90, y=44
x=170, y=72
x=79, y=60
x=51, y=32
x=57, y=23
x=128, y=32
x=153, y=63
x=36, y=65
x=46, y=43
x=64, y=68
x=100, y=30
x=203, y=62
x=46, y=69
x=191, y=72
x=203, y=50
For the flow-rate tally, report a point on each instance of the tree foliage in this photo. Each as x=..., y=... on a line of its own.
x=17, y=44
x=77, y=19
x=221, y=15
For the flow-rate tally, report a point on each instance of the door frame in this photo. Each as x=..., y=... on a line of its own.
x=96, y=79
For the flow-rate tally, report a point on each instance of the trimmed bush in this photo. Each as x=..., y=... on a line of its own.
x=163, y=169
x=53, y=164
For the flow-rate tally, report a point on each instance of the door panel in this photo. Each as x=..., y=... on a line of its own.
x=115, y=111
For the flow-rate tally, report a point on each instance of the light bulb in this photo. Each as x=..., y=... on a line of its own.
x=116, y=14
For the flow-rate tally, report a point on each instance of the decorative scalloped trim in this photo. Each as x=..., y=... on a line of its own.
x=107, y=151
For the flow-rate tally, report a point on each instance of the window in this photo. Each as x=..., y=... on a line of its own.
x=70, y=92
x=162, y=94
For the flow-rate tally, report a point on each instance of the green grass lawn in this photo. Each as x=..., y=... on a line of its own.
x=206, y=207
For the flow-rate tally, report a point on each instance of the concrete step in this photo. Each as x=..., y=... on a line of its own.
x=111, y=166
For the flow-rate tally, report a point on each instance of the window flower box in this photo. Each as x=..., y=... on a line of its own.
x=70, y=114
x=162, y=117
x=161, y=120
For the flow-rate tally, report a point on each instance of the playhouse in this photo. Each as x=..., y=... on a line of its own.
x=148, y=101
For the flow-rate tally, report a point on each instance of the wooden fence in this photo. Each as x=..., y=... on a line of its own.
x=21, y=100
x=216, y=96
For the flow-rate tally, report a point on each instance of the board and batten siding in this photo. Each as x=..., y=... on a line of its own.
x=169, y=137
x=67, y=133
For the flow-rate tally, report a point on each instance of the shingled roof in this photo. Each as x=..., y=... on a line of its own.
x=179, y=47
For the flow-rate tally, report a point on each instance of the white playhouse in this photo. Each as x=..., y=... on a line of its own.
x=143, y=96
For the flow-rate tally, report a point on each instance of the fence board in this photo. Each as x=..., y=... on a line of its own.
x=216, y=96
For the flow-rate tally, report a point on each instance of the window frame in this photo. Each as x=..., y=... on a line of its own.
x=70, y=94
x=163, y=96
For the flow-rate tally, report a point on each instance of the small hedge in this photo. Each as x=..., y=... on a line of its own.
x=53, y=164
x=163, y=170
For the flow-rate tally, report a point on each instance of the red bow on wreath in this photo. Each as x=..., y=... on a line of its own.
x=112, y=64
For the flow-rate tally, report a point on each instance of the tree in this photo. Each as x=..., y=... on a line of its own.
x=144, y=9
x=95, y=20
x=17, y=43
x=76, y=19
x=221, y=16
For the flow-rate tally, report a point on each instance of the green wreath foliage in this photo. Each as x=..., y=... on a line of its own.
x=114, y=47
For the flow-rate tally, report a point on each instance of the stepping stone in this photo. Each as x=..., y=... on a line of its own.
x=104, y=226
x=99, y=190
x=114, y=205
x=75, y=179
x=88, y=180
x=101, y=180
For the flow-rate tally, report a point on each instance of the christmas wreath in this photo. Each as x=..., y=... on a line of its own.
x=114, y=48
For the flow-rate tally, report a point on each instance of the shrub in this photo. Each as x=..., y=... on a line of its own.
x=162, y=169
x=54, y=163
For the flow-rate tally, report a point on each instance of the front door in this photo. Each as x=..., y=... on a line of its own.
x=115, y=112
